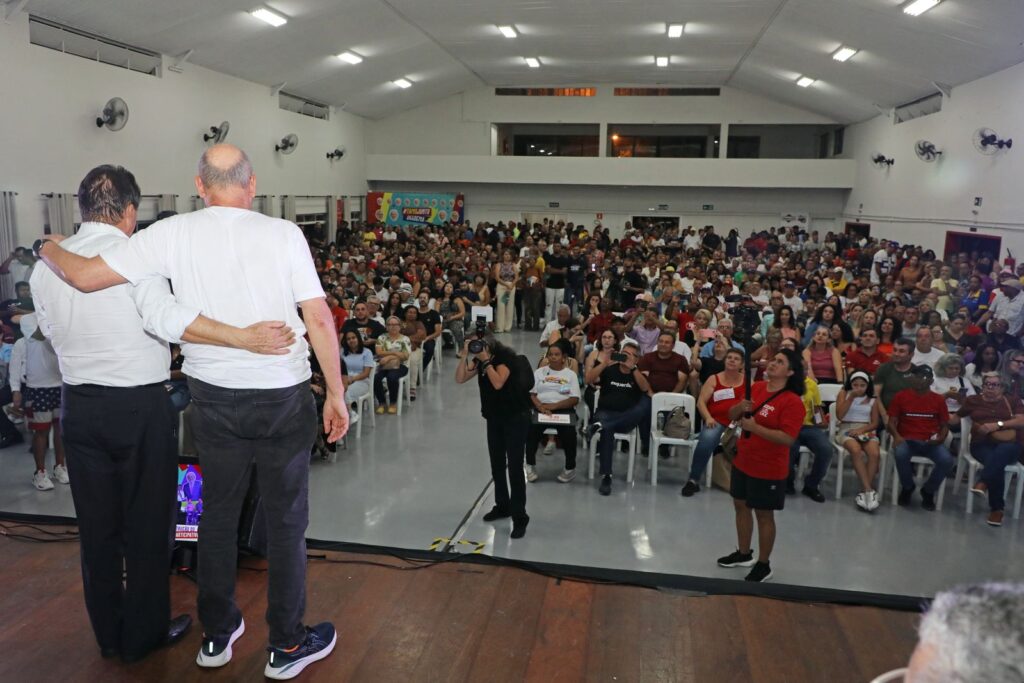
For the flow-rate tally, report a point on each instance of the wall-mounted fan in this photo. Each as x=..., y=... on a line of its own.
x=987, y=142
x=926, y=151
x=114, y=116
x=336, y=154
x=288, y=144
x=217, y=133
x=879, y=159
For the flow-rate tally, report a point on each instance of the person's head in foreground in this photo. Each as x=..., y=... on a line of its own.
x=971, y=634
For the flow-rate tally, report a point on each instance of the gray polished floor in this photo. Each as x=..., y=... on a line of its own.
x=424, y=476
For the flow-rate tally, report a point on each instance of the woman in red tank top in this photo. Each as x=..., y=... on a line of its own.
x=720, y=392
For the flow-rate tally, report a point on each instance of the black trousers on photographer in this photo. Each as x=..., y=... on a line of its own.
x=506, y=445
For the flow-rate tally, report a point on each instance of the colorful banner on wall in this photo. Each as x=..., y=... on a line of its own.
x=413, y=208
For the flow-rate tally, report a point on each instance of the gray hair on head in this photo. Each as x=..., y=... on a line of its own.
x=213, y=176
x=992, y=374
x=977, y=634
x=946, y=361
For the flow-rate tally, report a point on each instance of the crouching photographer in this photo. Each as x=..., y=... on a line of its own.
x=504, y=403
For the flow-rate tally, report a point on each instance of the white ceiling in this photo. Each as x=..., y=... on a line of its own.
x=447, y=46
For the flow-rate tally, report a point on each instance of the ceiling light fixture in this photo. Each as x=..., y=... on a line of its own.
x=403, y=83
x=919, y=7
x=843, y=53
x=508, y=31
x=805, y=81
x=350, y=57
x=532, y=62
x=269, y=17
x=661, y=61
x=675, y=30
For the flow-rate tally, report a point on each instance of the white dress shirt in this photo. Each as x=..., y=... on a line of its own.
x=238, y=267
x=114, y=337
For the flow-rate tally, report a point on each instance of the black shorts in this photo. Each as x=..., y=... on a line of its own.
x=759, y=494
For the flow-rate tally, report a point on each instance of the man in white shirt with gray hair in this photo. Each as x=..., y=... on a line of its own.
x=239, y=266
x=118, y=424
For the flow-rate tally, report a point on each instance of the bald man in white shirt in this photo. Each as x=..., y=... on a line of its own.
x=240, y=266
x=118, y=425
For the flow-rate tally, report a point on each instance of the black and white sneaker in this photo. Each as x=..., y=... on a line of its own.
x=737, y=559
x=285, y=664
x=594, y=429
x=217, y=651
x=761, y=572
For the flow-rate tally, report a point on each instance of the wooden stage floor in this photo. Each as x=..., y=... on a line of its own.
x=461, y=622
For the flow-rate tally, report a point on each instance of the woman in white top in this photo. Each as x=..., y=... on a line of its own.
x=358, y=366
x=857, y=412
x=393, y=351
x=949, y=383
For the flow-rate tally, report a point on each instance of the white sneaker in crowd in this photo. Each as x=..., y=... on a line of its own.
x=549, y=447
x=531, y=473
x=41, y=480
x=566, y=476
x=60, y=473
x=873, y=501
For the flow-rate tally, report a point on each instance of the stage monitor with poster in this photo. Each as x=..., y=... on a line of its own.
x=409, y=209
x=190, y=501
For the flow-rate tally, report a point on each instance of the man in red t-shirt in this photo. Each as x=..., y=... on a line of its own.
x=866, y=357
x=919, y=423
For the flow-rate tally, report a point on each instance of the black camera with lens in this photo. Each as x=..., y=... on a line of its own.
x=477, y=345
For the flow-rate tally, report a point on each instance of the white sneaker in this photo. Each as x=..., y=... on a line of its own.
x=531, y=474
x=566, y=476
x=873, y=501
x=60, y=473
x=41, y=480
x=549, y=448
x=862, y=501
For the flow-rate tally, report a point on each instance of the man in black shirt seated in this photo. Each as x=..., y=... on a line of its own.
x=368, y=328
x=624, y=404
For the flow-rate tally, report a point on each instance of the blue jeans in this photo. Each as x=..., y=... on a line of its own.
x=995, y=457
x=390, y=377
x=620, y=422
x=707, y=442
x=816, y=439
x=937, y=453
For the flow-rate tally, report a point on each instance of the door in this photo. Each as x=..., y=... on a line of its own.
x=957, y=242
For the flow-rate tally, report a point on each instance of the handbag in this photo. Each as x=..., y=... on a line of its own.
x=678, y=424
x=1005, y=435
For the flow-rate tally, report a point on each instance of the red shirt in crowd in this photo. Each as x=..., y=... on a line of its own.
x=340, y=316
x=600, y=323
x=920, y=416
x=758, y=457
x=856, y=360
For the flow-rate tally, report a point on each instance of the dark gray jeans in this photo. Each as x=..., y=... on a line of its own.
x=273, y=430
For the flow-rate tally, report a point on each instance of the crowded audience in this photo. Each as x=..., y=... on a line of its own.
x=666, y=308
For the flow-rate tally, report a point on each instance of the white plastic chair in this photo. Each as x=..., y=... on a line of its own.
x=920, y=464
x=364, y=405
x=665, y=401
x=974, y=466
x=842, y=453
x=891, y=676
x=631, y=439
x=404, y=391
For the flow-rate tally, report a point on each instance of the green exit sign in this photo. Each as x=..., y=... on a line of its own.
x=708, y=207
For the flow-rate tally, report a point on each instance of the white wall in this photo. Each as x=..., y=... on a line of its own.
x=50, y=140
x=919, y=202
x=639, y=172
x=460, y=124
x=745, y=209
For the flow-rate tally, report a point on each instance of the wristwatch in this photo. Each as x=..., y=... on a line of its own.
x=36, y=246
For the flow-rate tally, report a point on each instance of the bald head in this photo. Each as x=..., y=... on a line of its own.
x=225, y=177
